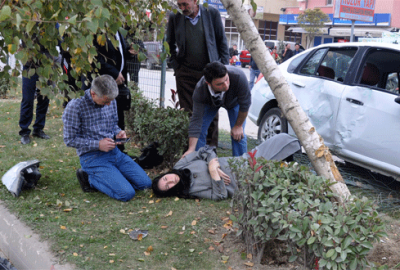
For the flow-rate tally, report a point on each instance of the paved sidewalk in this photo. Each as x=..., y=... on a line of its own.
x=22, y=247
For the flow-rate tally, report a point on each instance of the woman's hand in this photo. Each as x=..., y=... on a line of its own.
x=224, y=176
x=213, y=167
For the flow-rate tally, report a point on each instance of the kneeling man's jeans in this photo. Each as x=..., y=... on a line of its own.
x=114, y=173
x=238, y=147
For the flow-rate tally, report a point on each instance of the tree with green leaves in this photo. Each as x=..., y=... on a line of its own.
x=312, y=21
x=44, y=23
x=312, y=142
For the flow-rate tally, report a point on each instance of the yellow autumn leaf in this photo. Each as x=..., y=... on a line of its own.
x=75, y=254
x=150, y=202
x=67, y=210
x=194, y=222
x=176, y=199
x=150, y=249
x=78, y=50
x=147, y=253
x=140, y=237
x=101, y=40
x=111, y=261
x=63, y=227
x=169, y=214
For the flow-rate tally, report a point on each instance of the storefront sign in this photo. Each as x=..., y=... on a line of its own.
x=359, y=10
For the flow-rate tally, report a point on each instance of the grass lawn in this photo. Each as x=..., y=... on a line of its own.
x=91, y=229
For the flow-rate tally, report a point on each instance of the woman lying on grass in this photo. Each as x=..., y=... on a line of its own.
x=202, y=174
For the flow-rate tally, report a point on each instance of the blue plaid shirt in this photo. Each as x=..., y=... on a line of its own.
x=86, y=123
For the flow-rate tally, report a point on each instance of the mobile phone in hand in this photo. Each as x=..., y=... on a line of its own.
x=122, y=140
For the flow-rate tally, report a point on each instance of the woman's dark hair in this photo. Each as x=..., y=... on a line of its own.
x=181, y=189
x=214, y=70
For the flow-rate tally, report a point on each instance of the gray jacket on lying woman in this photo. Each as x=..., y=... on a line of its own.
x=202, y=185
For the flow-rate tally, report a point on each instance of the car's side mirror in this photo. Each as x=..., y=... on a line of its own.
x=397, y=99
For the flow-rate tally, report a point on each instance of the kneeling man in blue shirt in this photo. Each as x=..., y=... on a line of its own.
x=90, y=124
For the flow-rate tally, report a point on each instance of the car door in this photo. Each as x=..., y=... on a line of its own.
x=368, y=122
x=318, y=89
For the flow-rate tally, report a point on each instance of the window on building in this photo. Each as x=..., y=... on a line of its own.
x=329, y=2
x=291, y=36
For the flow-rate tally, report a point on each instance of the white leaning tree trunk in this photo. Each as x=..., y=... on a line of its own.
x=313, y=143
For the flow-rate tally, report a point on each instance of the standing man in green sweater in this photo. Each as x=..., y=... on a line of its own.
x=199, y=36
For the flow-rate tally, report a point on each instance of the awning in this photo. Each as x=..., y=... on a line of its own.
x=296, y=29
x=358, y=31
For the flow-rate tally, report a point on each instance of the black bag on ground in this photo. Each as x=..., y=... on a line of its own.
x=150, y=157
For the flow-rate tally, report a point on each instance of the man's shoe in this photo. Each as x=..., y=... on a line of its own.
x=41, y=135
x=83, y=179
x=25, y=139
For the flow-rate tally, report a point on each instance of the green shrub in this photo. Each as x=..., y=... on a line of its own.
x=288, y=204
x=168, y=126
x=4, y=87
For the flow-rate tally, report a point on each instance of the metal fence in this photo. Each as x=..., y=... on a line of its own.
x=151, y=80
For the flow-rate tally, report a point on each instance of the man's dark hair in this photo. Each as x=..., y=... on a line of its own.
x=214, y=70
x=297, y=44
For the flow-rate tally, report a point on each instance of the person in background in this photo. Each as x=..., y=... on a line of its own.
x=297, y=49
x=287, y=53
x=233, y=54
x=254, y=72
x=199, y=35
x=90, y=124
x=275, y=55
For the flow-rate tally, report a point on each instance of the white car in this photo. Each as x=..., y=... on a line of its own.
x=350, y=92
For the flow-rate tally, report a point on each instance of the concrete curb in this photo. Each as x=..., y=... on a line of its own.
x=23, y=248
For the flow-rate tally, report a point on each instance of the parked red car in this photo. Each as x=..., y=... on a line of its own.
x=244, y=57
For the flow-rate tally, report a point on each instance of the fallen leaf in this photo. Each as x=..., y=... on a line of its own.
x=169, y=214
x=28, y=236
x=105, y=247
x=192, y=232
x=211, y=248
x=224, y=235
x=152, y=201
x=34, y=145
x=2, y=146
x=181, y=232
x=158, y=200
x=176, y=199
x=61, y=160
x=220, y=249
x=164, y=227
x=140, y=237
x=183, y=228
x=191, y=250
x=146, y=253
x=67, y=210
x=225, y=258
x=140, y=259
x=194, y=223
x=211, y=231
x=122, y=231
x=250, y=256
x=63, y=227
x=150, y=249
x=197, y=200
x=249, y=264
x=75, y=254
x=172, y=268
x=111, y=261
x=111, y=254
x=151, y=196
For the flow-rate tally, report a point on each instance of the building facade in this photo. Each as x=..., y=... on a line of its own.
x=277, y=20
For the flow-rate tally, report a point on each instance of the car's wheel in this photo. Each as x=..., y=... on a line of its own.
x=149, y=65
x=272, y=123
x=243, y=65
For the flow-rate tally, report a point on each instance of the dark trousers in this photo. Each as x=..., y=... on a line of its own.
x=133, y=69
x=186, y=80
x=29, y=93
